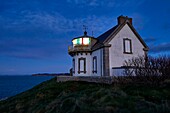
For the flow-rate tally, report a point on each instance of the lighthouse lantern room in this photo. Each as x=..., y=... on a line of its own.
x=80, y=50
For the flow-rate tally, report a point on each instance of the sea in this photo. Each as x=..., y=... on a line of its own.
x=12, y=85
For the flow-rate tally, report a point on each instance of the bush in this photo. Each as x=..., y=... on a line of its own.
x=148, y=66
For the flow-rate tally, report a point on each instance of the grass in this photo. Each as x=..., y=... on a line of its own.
x=83, y=97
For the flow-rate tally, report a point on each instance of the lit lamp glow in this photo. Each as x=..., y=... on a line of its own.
x=74, y=41
x=81, y=41
x=86, y=41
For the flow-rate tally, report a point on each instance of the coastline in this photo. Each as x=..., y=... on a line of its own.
x=2, y=99
x=51, y=74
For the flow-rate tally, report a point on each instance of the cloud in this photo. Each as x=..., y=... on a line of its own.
x=163, y=47
x=40, y=34
x=150, y=40
x=106, y=3
x=55, y=22
x=93, y=3
x=84, y=2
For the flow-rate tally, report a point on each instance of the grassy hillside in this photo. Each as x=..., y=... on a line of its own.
x=83, y=97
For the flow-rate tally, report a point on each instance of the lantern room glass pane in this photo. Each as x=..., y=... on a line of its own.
x=74, y=41
x=86, y=41
x=79, y=41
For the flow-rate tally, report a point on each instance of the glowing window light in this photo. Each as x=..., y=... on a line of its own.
x=74, y=41
x=79, y=41
x=86, y=41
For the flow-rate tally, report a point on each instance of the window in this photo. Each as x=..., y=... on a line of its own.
x=127, y=46
x=82, y=65
x=94, y=64
x=81, y=41
x=73, y=65
x=86, y=41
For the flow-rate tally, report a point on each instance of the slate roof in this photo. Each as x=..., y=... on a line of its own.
x=105, y=35
x=108, y=35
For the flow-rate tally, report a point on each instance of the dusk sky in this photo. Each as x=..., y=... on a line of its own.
x=35, y=34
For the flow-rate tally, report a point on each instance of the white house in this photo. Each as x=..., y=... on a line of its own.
x=102, y=55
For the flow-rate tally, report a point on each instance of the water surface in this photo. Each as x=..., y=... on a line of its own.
x=12, y=85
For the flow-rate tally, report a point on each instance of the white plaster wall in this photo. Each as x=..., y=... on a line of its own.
x=88, y=64
x=116, y=55
x=98, y=53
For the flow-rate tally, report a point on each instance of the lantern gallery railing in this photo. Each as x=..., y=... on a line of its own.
x=79, y=48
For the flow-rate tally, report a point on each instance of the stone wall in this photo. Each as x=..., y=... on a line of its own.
x=94, y=79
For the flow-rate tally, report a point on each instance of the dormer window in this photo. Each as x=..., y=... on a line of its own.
x=127, y=46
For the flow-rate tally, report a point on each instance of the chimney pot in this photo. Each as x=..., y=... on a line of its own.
x=121, y=19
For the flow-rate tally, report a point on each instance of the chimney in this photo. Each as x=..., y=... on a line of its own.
x=121, y=19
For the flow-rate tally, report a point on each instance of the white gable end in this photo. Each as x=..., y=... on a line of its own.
x=116, y=51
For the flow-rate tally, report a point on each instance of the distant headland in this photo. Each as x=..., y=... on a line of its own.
x=51, y=74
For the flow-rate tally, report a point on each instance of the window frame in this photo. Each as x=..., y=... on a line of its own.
x=94, y=64
x=84, y=60
x=73, y=65
x=124, y=46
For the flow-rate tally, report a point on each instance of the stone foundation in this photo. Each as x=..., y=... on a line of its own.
x=94, y=79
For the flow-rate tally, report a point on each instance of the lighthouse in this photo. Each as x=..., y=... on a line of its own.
x=106, y=54
x=81, y=50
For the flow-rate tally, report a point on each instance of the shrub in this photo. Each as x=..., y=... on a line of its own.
x=148, y=66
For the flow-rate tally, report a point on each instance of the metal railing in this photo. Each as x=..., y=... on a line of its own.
x=79, y=48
